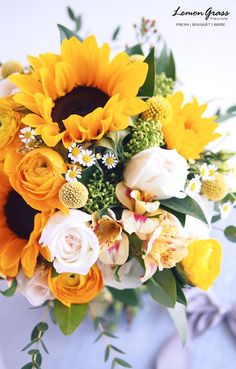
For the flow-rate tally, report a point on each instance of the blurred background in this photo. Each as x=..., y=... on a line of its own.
x=205, y=59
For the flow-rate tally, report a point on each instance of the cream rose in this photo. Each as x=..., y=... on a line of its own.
x=160, y=172
x=73, y=245
x=35, y=289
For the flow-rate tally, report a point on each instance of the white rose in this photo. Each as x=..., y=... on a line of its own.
x=129, y=274
x=160, y=172
x=35, y=289
x=7, y=88
x=72, y=243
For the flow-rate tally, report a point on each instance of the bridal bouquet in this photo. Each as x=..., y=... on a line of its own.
x=107, y=184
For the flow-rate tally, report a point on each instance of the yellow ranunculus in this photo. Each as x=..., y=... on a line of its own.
x=202, y=265
x=37, y=177
x=72, y=288
x=10, y=122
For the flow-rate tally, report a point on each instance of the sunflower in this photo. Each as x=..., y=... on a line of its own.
x=20, y=226
x=187, y=131
x=80, y=95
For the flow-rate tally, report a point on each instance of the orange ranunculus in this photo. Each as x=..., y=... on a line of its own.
x=20, y=228
x=37, y=177
x=72, y=288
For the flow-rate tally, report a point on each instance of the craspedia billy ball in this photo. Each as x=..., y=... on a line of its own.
x=215, y=189
x=73, y=195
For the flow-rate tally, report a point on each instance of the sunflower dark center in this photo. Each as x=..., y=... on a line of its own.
x=82, y=100
x=19, y=215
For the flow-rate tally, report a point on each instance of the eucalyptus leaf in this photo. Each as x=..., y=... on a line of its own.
x=186, y=206
x=127, y=296
x=28, y=366
x=178, y=315
x=225, y=117
x=230, y=233
x=11, y=290
x=69, y=318
x=149, y=85
x=71, y=13
x=123, y=363
x=66, y=33
x=162, y=287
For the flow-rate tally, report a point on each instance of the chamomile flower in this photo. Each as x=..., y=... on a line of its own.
x=225, y=209
x=27, y=134
x=208, y=172
x=86, y=158
x=109, y=160
x=194, y=185
x=74, y=152
x=73, y=174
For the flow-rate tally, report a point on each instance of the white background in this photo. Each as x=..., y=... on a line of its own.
x=206, y=62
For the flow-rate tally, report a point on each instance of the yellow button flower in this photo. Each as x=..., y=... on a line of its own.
x=37, y=177
x=202, y=265
x=72, y=288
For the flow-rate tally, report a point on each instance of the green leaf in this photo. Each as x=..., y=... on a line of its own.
x=86, y=174
x=127, y=296
x=69, y=318
x=38, y=359
x=230, y=233
x=186, y=206
x=123, y=363
x=71, y=13
x=149, y=85
x=232, y=109
x=109, y=334
x=66, y=33
x=162, y=287
x=44, y=347
x=78, y=22
x=42, y=327
x=215, y=218
x=180, y=216
x=30, y=344
x=107, y=353
x=165, y=63
x=33, y=352
x=178, y=315
x=136, y=49
x=225, y=117
x=116, y=33
x=117, y=349
x=180, y=294
x=11, y=290
x=28, y=366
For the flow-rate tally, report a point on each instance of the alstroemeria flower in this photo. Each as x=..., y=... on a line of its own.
x=166, y=247
x=113, y=241
x=139, y=202
x=139, y=224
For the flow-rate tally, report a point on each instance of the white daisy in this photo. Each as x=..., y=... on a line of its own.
x=208, y=172
x=73, y=174
x=194, y=185
x=225, y=209
x=109, y=160
x=86, y=158
x=74, y=152
x=27, y=134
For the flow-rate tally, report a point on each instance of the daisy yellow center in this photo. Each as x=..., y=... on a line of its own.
x=75, y=151
x=27, y=134
x=86, y=159
x=73, y=174
x=212, y=172
x=193, y=186
x=82, y=100
x=110, y=161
